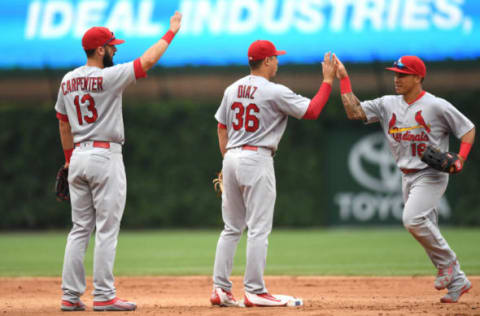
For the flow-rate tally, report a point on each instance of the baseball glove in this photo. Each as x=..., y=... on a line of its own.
x=444, y=161
x=61, y=185
x=218, y=184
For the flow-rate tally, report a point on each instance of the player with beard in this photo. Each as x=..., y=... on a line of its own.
x=89, y=109
x=108, y=60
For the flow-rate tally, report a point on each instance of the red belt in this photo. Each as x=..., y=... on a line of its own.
x=255, y=148
x=248, y=147
x=407, y=171
x=98, y=144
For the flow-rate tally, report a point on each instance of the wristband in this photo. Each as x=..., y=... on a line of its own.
x=168, y=37
x=345, y=86
x=68, y=154
x=464, y=150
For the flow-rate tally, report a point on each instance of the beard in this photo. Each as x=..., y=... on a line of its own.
x=107, y=61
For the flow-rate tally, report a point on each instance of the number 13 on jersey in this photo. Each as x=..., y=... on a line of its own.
x=245, y=116
x=87, y=100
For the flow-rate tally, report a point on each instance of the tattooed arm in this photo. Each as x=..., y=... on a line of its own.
x=350, y=102
x=352, y=106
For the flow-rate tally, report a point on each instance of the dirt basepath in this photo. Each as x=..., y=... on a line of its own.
x=190, y=296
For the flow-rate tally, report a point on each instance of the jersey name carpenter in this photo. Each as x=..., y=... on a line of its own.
x=92, y=84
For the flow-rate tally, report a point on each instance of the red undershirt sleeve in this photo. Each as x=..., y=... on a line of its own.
x=318, y=102
x=137, y=67
x=68, y=154
x=62, y=117
x=220, y=125
x=465, y=150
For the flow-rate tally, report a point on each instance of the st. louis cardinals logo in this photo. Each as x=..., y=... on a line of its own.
x=404, y=133
x=421, y=121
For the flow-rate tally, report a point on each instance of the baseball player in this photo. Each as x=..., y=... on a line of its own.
x=252, y=118
x=411, y=121
x=89, y=109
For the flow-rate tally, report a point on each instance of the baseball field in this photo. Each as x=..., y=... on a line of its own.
x=336, y=272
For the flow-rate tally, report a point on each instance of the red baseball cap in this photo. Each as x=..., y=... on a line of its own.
x=262, y=49
x=99, y=36
x=411, y=65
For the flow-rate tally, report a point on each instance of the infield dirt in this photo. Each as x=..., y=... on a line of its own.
x=190, y=296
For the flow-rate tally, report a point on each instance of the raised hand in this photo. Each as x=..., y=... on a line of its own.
x=329, y=67
x=175, y=22
x=341, y=71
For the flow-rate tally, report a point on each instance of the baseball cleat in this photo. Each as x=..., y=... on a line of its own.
x=114, y=305
x=445, y=276
x=223, y=298
x=269, y=300
x=454, y=294
x=262, y=300
x=68, y=306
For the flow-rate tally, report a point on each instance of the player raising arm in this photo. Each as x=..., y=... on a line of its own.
x=153, y=54
x=417, y=125
x=252, y=118
x=89, y=109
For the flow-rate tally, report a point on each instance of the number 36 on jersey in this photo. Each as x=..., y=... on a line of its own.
x=245, y=116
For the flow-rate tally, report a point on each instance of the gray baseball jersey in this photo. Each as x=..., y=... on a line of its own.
x=90, y=99
x=256, y=111
x=90, y=95
x=409, y=128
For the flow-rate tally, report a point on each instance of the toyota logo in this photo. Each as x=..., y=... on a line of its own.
x=372, y=164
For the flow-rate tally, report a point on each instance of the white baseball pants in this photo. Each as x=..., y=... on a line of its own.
x=422, y=192
x=248, y=201
x=98, y=189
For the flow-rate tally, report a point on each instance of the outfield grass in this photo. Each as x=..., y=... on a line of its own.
x=375, y=251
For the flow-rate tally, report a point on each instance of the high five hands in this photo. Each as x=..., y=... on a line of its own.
x=341, y=71
x=332, y=67
x=329, y=67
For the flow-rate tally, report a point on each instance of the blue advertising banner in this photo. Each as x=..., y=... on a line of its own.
x=47, y=33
